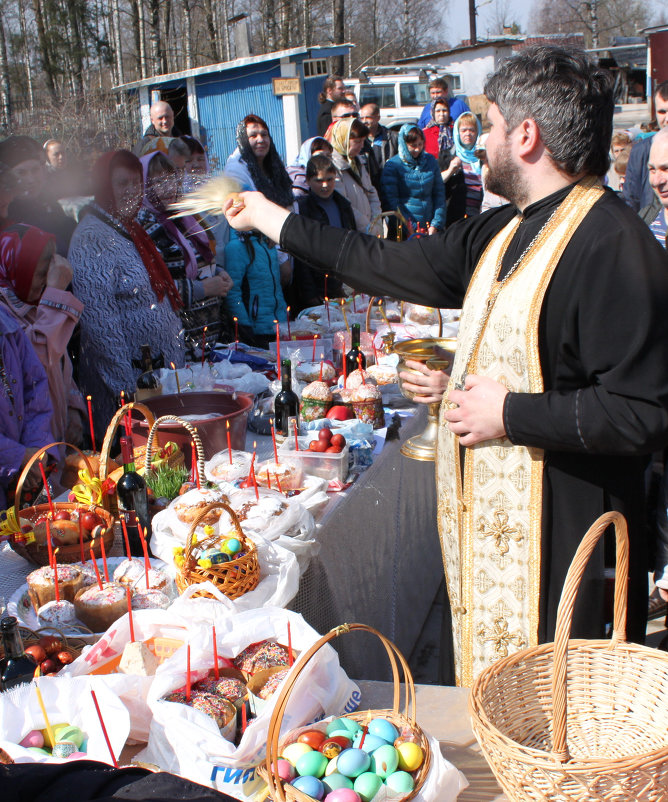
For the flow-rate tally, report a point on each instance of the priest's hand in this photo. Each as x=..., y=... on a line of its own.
x=427, y=385
x=478, y=415
x=251, y=210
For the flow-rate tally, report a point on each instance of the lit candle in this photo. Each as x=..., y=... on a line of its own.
x=278, y=483
x=125, y=537
x=122, y=398
x=104, y=729
x=229, y=441
x=296, y=431
x=361, y=369
x=345, y=372
x=278, y=349
x=273, y=440
x=326, y=293
x=236, y=333
x=322, y=356
x=49, y=544
x=55, y=574
x=128, y=594
x=188, y=674
x=176, y=376
x=329, y=322
x=147, y=564
x=315, y=337
x=46, y=487
x=49, y=728
x=204, y=344
x=95, y=568
x=215, y=653
x=103, y=551
x=90, y=422
x=287, y=318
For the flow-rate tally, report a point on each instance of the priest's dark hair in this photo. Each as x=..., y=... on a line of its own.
x=568, y=96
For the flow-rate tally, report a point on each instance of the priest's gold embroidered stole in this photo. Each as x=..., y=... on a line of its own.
x=489, y=506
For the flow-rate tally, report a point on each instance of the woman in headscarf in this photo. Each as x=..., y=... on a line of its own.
x=33, y=289
x=466, y=134
x=412, y=182
x=188, y=251
x=129, y=296
x=297, y=170
x=439, y=141
x=353, y=181
x=256, y=266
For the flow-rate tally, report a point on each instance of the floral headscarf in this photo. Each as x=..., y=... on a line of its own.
x=271, y=179
x=445, y=138
x=339, y=135
x=20, y=249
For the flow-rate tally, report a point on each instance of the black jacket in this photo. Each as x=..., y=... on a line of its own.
x=325, y=116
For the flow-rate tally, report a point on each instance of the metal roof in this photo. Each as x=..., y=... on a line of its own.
x=498, y=42
x=316, y=51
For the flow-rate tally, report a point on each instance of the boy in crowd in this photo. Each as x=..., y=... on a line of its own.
x=324, y=204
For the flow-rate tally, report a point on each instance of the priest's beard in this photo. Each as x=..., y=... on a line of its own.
x=505, y=179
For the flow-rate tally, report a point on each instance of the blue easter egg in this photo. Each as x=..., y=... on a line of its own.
x=371, y=742
x=384, y=729
x=311, y=786
x=353, y=762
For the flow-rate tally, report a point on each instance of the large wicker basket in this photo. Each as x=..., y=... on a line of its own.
x=38, y=553
x=281, y=791
x=581, y=719
x=233, y=578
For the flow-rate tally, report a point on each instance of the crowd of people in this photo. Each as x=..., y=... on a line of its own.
x=82, y=292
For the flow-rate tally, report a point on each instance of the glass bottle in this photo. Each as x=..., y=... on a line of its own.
x=148, y=383
x=355, y=355
x=286, y=403
x=16, y=666
x=132, y=499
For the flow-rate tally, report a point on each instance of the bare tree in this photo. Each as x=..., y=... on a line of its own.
x=5, y=89
x=598, y=20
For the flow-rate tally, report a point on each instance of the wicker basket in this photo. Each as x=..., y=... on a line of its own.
x=72, y=645
x=581, y=719
x=192, y=431
x=281, y=791
x=38, y=553
x=233, y=578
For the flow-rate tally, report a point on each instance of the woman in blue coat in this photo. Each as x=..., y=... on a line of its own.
x=412, y=182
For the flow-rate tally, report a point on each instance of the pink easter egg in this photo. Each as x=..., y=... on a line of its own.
x=78, y=756
x=285, y=770
x=33, y=738
x=343, y=795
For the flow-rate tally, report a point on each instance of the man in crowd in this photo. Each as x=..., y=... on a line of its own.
x=162, y=124
x=381, y=140
x=637, y=191
x=332, y=90
x=559, y=387
x=654, y=214
x=439, y=90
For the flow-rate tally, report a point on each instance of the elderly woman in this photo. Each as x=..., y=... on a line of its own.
x=33, y=289
x=467, y=131
x=254, y=263
x=297, y=170
x=412, y=182
x=129, y=296
x=353, y=181
x=439, y=141
x=188, y=251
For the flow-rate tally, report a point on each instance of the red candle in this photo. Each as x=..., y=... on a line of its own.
x=104, y=730
x=204, y=343
x=278, y=349
x=229, y=441
x=125, y=537
x=188, y=675
x=326, y=277
x=49, y=544
x=95, y=568
x=296, y=431
x=315, y=337
x=81, y=548
x=128, y=594
x=254, y=453
x=291, y=659
x=215, y=654
x=278, y=483
x=122, y=398
x=268, y=481
x=195, y=470
x=375, y=353
x=244, y=718
x=322, y=356
x=126, y=420
x=273, y=440
x=104, y=557
x=365, y=729
x=90, y=421
x=354, y=308
x=329, y=322
x=345, y=372
x=236, y=333
x=361, y=369
x=147, y=563
x=55, y=574
x=287, y=317
x=46, y=487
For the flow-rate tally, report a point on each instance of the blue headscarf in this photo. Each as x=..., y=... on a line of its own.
x=305, y=151
x=467, y=154
x=404, y=153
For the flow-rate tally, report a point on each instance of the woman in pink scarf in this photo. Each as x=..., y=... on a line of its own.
x=33, y=282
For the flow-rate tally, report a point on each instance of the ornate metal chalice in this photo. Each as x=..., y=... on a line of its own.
x=436, y=353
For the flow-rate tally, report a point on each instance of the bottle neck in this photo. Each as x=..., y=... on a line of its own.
x=12, y=641
x=355, y=337
x=286, y=379
x=127, y=455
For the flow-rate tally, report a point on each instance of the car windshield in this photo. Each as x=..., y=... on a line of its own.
x=382, y=94
x=414, y=94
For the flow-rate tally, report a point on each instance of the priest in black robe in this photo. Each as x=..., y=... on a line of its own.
x=602, y=330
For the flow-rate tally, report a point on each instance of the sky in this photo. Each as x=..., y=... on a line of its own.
x=457, y=25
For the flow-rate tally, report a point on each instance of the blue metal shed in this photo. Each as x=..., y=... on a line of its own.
x=210, y=101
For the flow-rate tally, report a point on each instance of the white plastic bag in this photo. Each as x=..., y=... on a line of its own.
x=130, y=688
x=67, y=700
x=187, y=742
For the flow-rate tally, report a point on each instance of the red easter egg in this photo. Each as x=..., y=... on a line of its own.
x=312, y=738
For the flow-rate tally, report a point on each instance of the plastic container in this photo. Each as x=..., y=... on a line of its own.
x=332, y=467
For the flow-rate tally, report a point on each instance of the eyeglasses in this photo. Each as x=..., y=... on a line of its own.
x=347, y=114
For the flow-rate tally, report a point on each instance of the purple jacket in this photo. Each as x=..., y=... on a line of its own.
x=25, y=407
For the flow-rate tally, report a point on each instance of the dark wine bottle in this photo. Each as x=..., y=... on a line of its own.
x=132, y=499
x=148, y=383
x=286, y=403
x=355, y=355
x=16, y=666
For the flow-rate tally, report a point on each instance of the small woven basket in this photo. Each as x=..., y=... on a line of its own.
x=72, y=645
x=38, y=553
x=233, y=578
x=281, y=791
x=580, y=719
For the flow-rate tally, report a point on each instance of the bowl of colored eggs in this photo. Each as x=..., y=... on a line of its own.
x=359, y=757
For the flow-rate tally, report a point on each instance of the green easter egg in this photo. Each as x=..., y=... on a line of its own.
x=367, y=785
x=312, y=764
x=384, y=761
x=400, y=782
x=334, y=781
